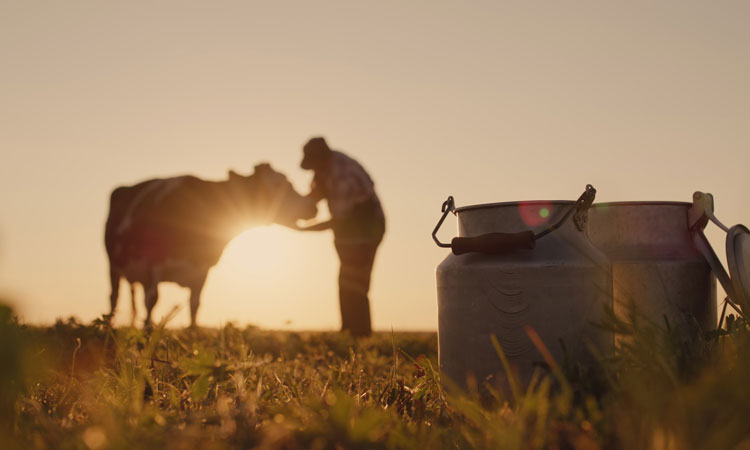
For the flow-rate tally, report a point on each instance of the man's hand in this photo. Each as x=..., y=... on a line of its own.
x=320, y=226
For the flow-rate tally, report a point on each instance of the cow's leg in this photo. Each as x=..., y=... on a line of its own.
x=114, y=278
x=151, y=295
x=133, y=310
x=195, y=298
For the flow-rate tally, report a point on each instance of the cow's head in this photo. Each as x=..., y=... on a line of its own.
x=270, y=197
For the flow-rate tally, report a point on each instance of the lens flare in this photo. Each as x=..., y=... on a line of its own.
x=534, y=214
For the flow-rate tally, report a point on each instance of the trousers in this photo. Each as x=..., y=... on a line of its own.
x=357, y=239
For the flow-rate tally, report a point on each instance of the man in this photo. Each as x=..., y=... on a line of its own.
x=357, y=222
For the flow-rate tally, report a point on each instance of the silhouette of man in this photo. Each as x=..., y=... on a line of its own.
x=358, y=225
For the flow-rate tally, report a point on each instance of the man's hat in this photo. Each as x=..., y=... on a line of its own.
x=315, y=151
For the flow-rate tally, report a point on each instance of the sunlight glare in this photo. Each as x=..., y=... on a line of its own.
x=274, y=277
x=262, y=249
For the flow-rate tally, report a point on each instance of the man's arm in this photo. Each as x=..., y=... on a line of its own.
x=320, y=226
x=316, y=192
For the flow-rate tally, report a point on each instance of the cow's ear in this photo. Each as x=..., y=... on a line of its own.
x=263, y=168
x=234, y=175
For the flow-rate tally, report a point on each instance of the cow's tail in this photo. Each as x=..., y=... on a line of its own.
x=116, y=211
x=116, y=208
x=114, y=277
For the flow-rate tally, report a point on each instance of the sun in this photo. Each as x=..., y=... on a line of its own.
x=264, y=249
x=274, y=277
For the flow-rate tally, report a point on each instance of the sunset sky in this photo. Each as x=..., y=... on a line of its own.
x=488, y=101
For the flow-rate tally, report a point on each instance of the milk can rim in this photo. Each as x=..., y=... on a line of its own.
x=643, y=203
x=513, y=203
x=568, y=202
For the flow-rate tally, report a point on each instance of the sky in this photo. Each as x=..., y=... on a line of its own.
x=487, y=101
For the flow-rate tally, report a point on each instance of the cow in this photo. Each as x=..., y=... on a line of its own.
x=175, y=229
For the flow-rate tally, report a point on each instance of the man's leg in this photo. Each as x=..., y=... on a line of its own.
x=354, y=284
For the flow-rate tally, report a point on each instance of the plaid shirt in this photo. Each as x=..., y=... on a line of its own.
x=345, y=184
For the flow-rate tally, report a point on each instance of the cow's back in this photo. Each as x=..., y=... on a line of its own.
x=163, y=219
x=128, y=207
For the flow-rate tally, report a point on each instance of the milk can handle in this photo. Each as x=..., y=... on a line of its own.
x=448, y=207
x=499, y=243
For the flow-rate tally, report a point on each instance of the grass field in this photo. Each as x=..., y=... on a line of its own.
x=93, y=387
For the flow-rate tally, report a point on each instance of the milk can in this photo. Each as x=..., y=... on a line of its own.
x=515, y=266
x=658, y=273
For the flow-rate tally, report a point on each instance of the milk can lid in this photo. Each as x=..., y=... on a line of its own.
x=738, y=259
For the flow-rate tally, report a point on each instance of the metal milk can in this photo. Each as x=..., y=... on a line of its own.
x=658, y=272
x=516, y=265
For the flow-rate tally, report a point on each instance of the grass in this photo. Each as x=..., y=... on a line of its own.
x=89, y=386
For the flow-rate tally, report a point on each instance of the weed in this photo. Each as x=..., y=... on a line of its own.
x=93, y=386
